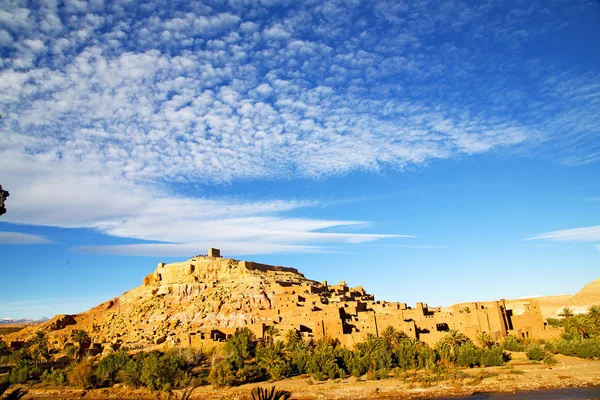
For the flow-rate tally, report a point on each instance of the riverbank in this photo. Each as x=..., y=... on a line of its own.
x=519, y=375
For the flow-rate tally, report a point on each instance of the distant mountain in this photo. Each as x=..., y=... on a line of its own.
x=5, y=321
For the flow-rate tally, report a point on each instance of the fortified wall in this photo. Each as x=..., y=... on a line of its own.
x=349, y=314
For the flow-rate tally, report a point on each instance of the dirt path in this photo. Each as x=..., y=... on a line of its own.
x=518, y=375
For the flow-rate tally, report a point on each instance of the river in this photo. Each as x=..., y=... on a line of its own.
x=591, y=393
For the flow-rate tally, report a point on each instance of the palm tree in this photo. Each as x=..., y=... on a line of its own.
x=485, y=340
x=581, y=324
x=82, y=339
x=273, y=360
x=70, y=350
x=368, y=349
x=259, y=393
x=240, y=347
x=40, y=346
x=452, y=341
x=566, y=313
x=390, y=337
x=371, y=344
x=594, y=314
x=292, y=338
x=269, y=335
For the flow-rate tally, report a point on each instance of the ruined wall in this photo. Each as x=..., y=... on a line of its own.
x=264, y=267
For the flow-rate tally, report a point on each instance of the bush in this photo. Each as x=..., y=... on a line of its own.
x=588, y=348
x=163, y=372
x=426, y=358
x=55, y=377
x=299, y=358
x=82, y=375
x=512, y=343
x=111, y=366
x=19, y=375
x=240, y=347
x=356, y=365
x=493, y=357
x=273, y=360
x=535, y=353
x=249, y=373
x=549, y=359
x=4, y=349
x=406, y=355
x=222, y=374
x=132, y=372
x=468, y=356
x=323, y=363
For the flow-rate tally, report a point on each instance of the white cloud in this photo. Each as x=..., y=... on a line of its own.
x=16, y=238
x=55, y=193
x=587, y=234
x=36, y=45
x=264, y=89
x=124, y=102
x=189, y=249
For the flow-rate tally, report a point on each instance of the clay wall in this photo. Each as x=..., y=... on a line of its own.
x=264, y=267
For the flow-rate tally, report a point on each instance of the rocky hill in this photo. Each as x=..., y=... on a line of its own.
x=579, y=302
x=197, y=293
x=185, y=301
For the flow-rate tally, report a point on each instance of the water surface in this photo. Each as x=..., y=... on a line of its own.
x=592, y=393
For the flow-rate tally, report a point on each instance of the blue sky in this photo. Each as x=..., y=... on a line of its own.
x=429, y=151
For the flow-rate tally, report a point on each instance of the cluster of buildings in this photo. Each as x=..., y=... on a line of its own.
x=349, y=314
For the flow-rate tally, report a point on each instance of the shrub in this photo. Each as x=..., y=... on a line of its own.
x=426, y=358
x=55, y=377
x=355, y=363
x=273, y=360
x=324, y=363
x=240, y=347
x=132, y=372
x=535, y=353
x=82, y=375
x=588, y=348
x=249, y=373
x=406, y=355
x=549, y=359
x=299, y=358
x=468, y=356
x=4, y=349
x=493, y=357
x=19, y=375
x=222, y=374
x=555, y=322
x=110, y=366
x=162, y=372
x=512, y=343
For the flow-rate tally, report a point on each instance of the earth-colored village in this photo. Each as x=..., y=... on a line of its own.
x=348, y=314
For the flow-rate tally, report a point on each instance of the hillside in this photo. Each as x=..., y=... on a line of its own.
x=579, y=302
x=200, y=292
x=206, y=298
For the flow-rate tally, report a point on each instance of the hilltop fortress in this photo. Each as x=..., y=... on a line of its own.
x=348, y=314
x=205, y=299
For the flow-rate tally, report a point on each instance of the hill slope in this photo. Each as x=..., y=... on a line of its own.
x=199, y=292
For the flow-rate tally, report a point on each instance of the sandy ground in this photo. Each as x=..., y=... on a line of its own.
x=518, y=375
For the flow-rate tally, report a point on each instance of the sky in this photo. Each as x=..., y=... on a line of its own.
x=433, y=151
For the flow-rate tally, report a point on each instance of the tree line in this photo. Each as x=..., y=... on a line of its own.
x=244, y=358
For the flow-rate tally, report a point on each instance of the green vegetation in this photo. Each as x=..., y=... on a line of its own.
x=244, y=358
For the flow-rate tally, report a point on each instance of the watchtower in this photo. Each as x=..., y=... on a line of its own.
x=214, y=253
